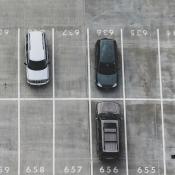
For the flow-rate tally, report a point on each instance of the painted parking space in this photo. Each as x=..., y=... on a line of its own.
x=99, y=32
x=9, y=137
x=144, y=130
x=36, y=137
x=8, y=63
x=109, y=167
x=72, y=138
x=28, y=91
x=141, y=62
x=70, y=62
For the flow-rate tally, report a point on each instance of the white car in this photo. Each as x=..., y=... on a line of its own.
x=37, y=64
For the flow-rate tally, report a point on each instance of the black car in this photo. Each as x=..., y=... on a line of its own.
x=106, y=63
x=107, y=130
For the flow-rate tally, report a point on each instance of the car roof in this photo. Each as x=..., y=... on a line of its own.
x=110, y=135
x=36, y=46
x=107, y=50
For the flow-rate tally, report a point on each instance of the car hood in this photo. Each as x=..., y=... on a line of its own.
x=106, y=80
x=108, y=107
x=37, y=75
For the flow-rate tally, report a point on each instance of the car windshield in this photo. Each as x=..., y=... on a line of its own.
x=37, y=65
x=107, y=51
x=107, y=69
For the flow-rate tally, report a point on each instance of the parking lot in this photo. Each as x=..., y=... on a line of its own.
x=51, y=130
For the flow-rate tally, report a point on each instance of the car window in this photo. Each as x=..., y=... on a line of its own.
x=37, y=65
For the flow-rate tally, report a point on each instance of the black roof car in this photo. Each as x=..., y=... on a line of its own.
x=106, y=63
x=107, y=125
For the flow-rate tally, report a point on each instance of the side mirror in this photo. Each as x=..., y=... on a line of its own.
x=48, y=62
x=25, y=63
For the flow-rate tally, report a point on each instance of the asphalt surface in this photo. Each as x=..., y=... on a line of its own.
x=139, y=21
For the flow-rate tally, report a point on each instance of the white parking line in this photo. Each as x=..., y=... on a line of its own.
x=8, y=99
x=168, y=99
x=72, y=99
x=19, y=127
x=161, y=102
x=107, y=99
x=124, y=103
x=89, y=100
x=53, y=79
x=142, y=99
x=53, y=61
x=36, y=99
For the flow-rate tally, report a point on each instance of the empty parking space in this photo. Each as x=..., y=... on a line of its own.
x=99, y=32
x=70, y=62
x=109, y=167
x=169, y=110
x=28, y=91
x=167, y=43
x=144, y=132
x=141, y=62
x=72, y=137
x=8, y=63
x=36, y=137
x=9, y=137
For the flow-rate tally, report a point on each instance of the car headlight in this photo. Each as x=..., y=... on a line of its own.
x=114, y=85
x=99, y=84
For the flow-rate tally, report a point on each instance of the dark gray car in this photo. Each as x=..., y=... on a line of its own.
x=107, y=130
x=106, y=63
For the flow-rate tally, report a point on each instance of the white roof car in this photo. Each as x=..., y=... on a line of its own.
x=37, y=64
